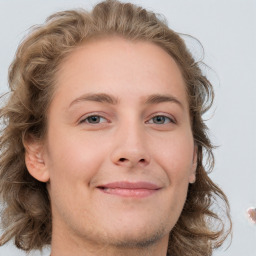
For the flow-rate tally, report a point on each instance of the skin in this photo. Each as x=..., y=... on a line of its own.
x=126, y=133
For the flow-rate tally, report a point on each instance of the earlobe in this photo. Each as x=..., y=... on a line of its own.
x=192, y=177
x=34, y=159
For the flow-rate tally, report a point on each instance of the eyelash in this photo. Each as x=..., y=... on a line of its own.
x=85, y=120
x=170, y=120
x=150, y=121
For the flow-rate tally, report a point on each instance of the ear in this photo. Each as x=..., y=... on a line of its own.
x=192, y=177
x=34, y=159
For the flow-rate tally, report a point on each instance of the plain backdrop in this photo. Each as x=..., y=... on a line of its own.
x=227, y=30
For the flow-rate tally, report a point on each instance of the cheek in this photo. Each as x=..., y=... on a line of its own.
x=72, y=163
x=74, y=159
x=175, y=155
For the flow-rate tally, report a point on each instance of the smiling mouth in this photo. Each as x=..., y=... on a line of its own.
x=129, y=189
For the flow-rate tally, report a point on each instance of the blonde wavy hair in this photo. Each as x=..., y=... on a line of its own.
x=26, y=216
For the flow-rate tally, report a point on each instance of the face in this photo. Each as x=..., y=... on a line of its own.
x=119, y=152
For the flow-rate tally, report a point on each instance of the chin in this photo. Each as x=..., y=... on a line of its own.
x=139, y=238
x=138, y=234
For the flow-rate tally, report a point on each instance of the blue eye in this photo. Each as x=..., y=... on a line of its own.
x=160, y=120
x=94, y=119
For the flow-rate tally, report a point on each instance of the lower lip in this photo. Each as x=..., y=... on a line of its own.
x=136, y=193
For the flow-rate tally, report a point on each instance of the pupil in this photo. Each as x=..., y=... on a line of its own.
x=94, y=119
x=159, y=119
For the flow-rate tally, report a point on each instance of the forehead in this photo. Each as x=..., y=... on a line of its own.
x=125, y=66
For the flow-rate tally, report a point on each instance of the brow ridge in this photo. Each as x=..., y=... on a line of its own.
x=161, y=98
x=110, y=99
x=97, y=97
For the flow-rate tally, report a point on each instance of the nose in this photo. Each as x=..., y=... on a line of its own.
x=130, y=148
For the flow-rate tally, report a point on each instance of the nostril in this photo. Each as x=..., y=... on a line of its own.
x=131, y=162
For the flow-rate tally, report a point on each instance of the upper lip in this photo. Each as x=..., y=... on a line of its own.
x=130, y=185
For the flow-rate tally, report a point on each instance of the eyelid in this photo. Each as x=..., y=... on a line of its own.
x=167, y=115
x=84, y=117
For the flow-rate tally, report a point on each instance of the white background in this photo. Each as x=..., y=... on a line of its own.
x=227, y=30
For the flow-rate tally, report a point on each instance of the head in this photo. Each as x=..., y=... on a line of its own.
x=126, y=120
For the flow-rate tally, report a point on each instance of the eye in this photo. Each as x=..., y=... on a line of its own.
x=94, y=119
x=160, y=119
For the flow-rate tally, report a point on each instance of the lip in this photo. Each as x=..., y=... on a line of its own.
x=129, y=189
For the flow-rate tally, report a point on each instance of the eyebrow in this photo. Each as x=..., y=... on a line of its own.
x=160, y=98
x=110, y=99
x=97, y=97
